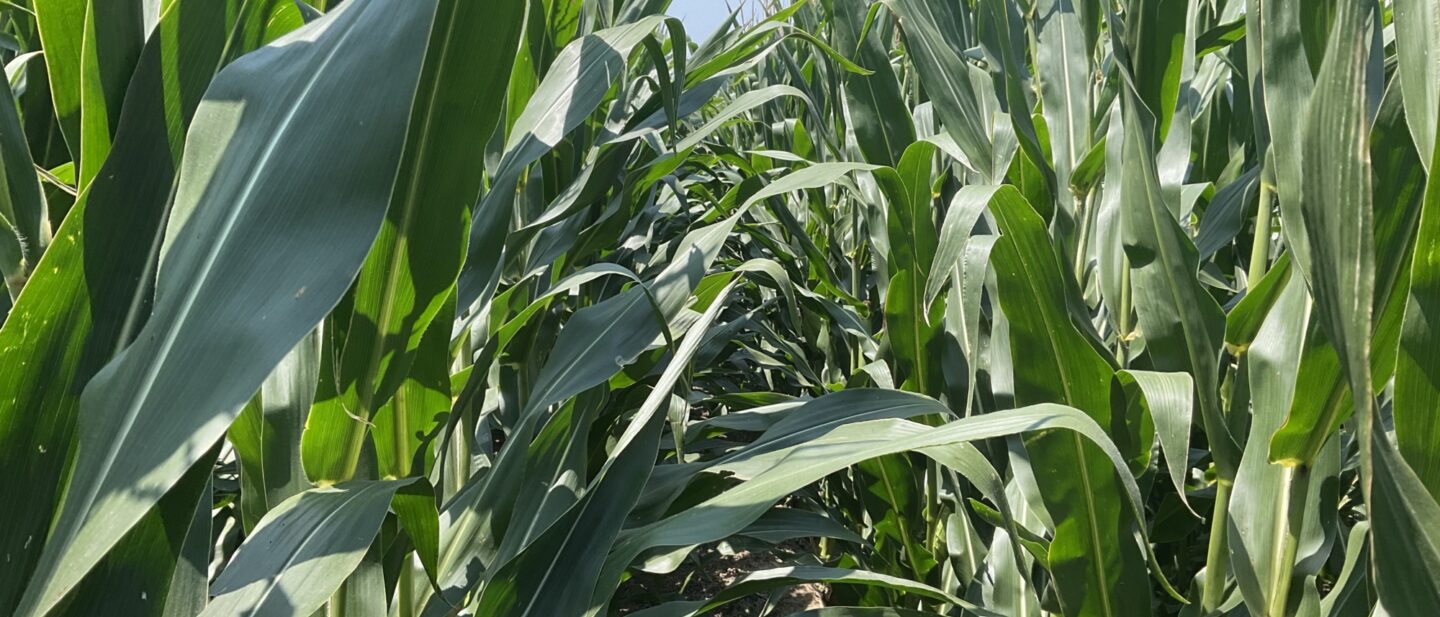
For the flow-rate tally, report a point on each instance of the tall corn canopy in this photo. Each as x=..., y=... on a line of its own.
x=852, y=308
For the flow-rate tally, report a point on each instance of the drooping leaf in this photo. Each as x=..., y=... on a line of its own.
x=777, y=472
x=947, y=80
x=954, y=236
x=1170, y=399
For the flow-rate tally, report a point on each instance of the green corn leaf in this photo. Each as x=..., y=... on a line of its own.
x=90, y=290
x=1417, y=32
x=1357, y=556
x=1220, y=37
x=1063, y=64
x=416, y=258
x=911, y=322
x=402, y=425
x=61, y=26
x=1182, y=324
x=596, y=343
x=1170, y=401
x=23, y=213
x=742, y=104
x=226, y=198
x=303, y=550
x=1224, y=217
x=1155, y=39
x=555, y=575
x=911, y=213
x=1417, y=433
x=159, y=568
x=1339, y=223
x=1399, y=186
x=974, y=265
x=1285, y=83
x=1243, y=322
x=266, y=434
x=1406, y=533
x=947, y=79
x=1112, y=271
x=1262, y=532
x=813, y=177
x=113, y=37
x=778, y=472
x=12, y=260
x=874, y=100
x=954, y=236
x=1099, y=570
x=914, y=333
x=783, y=524
x=574, y=86
x=1002, y=39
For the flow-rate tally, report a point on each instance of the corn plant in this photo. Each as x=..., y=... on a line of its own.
x=504, y=308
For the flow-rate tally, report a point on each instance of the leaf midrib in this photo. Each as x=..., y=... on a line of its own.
x=1085, y=481
x=192, y=292
x=410, y=206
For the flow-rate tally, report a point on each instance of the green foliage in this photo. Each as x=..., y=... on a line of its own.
x=505, y=308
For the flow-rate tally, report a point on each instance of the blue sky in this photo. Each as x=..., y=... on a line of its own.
x=701, y=17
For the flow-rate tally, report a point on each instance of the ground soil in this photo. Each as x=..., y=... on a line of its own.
x=709, y=571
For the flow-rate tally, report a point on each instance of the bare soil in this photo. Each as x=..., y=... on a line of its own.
x=708, y=571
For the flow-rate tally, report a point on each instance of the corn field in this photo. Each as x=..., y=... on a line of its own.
x=548, y=308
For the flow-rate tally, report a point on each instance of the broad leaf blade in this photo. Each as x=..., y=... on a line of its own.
x=303, y=550
x=1098, y=568
x=227, y=305
x=90, y=290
